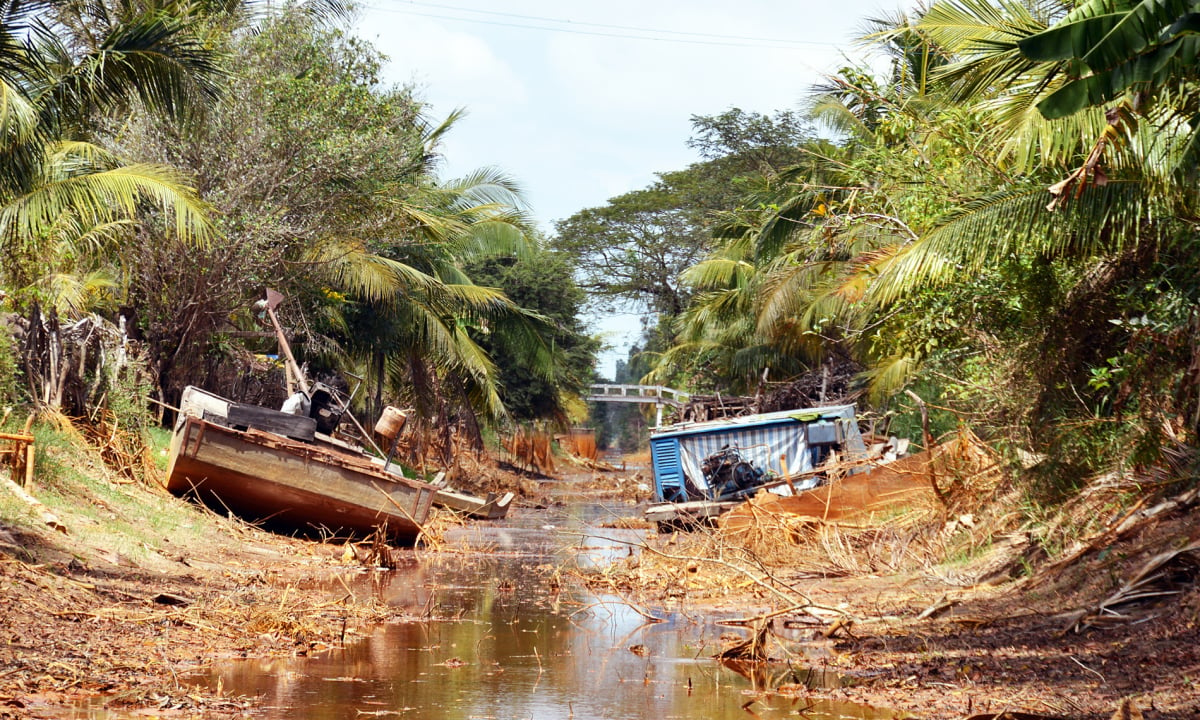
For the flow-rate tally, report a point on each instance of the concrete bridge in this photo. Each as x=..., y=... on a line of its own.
x=644, y=394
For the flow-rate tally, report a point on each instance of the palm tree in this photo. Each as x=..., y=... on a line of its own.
x=417, y=310
x=785, y=291
x=1092, y=197
x=57, y=84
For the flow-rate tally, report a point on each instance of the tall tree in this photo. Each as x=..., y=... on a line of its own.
x=633, y=249
x=541, y=282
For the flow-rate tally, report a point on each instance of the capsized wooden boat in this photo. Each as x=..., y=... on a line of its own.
x=319, y=486
x=882, y=491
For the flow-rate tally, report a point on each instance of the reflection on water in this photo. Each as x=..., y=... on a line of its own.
x=501, y=642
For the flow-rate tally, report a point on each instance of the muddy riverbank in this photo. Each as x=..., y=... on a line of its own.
x=133, y=607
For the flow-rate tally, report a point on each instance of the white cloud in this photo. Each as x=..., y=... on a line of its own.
x=454, y=66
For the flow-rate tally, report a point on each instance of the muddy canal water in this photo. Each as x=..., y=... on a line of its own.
x=502, y=643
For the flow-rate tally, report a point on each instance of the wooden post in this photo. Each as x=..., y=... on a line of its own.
x=29, y=452
x=22, y=456
x=273, y=299
x=787, y=475
x=287, y=352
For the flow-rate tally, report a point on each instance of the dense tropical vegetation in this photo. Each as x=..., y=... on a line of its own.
x=1004, y=223
x=166, y=162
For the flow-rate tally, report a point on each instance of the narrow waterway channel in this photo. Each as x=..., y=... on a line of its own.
x=505, y=641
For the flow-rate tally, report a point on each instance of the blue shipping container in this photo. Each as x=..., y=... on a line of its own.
x=715, y=459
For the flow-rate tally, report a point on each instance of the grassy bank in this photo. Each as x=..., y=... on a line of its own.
x=135, y=588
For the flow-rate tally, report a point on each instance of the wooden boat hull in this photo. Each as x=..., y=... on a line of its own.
x=493, y=507
x=884, y=490
x=261, y=476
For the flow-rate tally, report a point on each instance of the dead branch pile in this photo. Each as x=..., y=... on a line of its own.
x=480, y=474
x=127, y=452
x=697, y=564
x=615, y=486
x=1110, y=507
x=831, y=384
x=700, y=408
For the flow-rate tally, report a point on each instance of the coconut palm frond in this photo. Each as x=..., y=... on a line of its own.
x=76, y=295
x=155, y=58
x=350, y=265
x=1094, y=220
x=831, y=113
x=890, y=375
x=718, y=272
x=794, y=216
x=18, y=117
x=714, y=309
x=485, y=186
x=106, y=196
x=495, y=236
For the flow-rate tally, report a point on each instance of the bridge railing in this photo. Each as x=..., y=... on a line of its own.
x=639, y=394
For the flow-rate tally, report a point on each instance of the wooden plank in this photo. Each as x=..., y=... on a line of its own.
x=492, y=507
x=35, y=505
x=197, y=403
x=296, y=427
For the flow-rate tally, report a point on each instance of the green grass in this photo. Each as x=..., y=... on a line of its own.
x=103, y=515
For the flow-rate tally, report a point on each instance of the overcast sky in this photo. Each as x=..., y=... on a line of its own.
x=583, y=101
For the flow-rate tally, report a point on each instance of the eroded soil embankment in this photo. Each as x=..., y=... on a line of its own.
x=85, y=623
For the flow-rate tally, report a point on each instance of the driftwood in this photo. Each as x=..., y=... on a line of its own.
x=754, y=649
x=35, y=505
x=928, y=439
x=1011, y=715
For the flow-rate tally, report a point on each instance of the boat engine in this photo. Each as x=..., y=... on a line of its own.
x=729, y=475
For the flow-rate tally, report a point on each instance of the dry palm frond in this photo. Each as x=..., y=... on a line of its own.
x=1165, y=575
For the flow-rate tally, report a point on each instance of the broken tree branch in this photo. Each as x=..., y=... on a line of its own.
x=928, y=440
